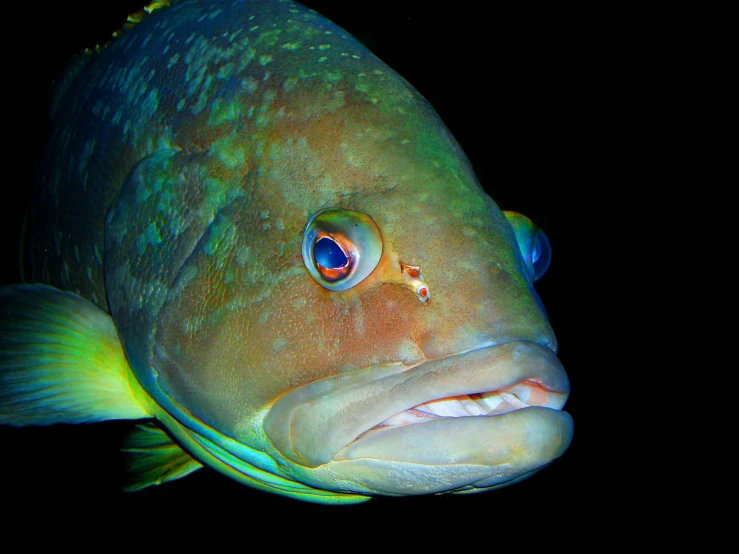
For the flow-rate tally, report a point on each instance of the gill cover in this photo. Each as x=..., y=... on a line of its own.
x=169, y=262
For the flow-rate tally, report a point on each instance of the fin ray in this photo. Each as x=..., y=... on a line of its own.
x=153, y=458
x=61, y=361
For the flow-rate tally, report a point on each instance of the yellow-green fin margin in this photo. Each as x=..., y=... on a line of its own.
x=131, y=21
x=61, y=361
x=152, y=458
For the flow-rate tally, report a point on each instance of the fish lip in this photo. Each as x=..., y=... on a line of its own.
x=467, y=454
x=313, y=424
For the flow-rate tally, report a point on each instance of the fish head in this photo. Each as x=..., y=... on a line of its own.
x=336, y=304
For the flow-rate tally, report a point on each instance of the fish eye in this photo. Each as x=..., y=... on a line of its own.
x=533, y=244
x=341, y=248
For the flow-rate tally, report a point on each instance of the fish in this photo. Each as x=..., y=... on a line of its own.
x=181, y=246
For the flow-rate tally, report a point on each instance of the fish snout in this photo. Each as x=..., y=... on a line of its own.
x=477, y=419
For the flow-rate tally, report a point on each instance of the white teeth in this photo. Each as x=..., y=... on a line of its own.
x=490, y=401
x=472, y=407
x=458, y=406
x=502, y=402
x=485, y=404
x=513, y=400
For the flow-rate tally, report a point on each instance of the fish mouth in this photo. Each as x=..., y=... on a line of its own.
x=474, y=420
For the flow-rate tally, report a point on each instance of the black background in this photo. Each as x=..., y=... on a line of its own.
x=532, y=98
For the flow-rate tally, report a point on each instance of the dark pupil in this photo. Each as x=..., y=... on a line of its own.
x=327, y=253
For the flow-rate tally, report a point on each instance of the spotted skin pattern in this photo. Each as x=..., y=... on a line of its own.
x=186, y=159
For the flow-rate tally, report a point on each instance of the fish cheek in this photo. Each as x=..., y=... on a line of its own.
x=293, y=334
x=157, y=221
x=207, y=327
x=186, y=245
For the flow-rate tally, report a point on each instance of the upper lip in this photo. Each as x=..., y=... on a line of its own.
x=312, y=423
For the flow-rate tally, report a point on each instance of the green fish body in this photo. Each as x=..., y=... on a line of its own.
x=259, y=240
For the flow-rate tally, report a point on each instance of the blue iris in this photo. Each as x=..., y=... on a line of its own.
x=327, y=253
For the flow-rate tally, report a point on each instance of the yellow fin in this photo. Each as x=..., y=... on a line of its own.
x=61, y=361
x=153, y=458
x=131, y=21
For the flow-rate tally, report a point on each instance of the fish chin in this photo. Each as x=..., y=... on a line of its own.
x=472, y=421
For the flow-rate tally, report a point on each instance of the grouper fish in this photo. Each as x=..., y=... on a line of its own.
x=261, y=242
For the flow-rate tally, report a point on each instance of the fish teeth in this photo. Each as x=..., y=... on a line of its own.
x=502, y=402
x=513, y=400
x=457, y=406
x=484, y=404
x=489, y=401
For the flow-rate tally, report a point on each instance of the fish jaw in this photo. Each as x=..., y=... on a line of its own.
x=472, y=421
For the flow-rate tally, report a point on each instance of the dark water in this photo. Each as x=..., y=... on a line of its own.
x=522, y=93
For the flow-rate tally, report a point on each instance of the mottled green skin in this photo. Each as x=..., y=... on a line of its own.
x=209, y=135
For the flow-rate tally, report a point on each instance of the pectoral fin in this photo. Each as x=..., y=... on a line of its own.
x=61, y=361
x=152, y=458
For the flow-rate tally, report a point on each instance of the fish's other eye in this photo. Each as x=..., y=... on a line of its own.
x=341, y=248
x=533, y=244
